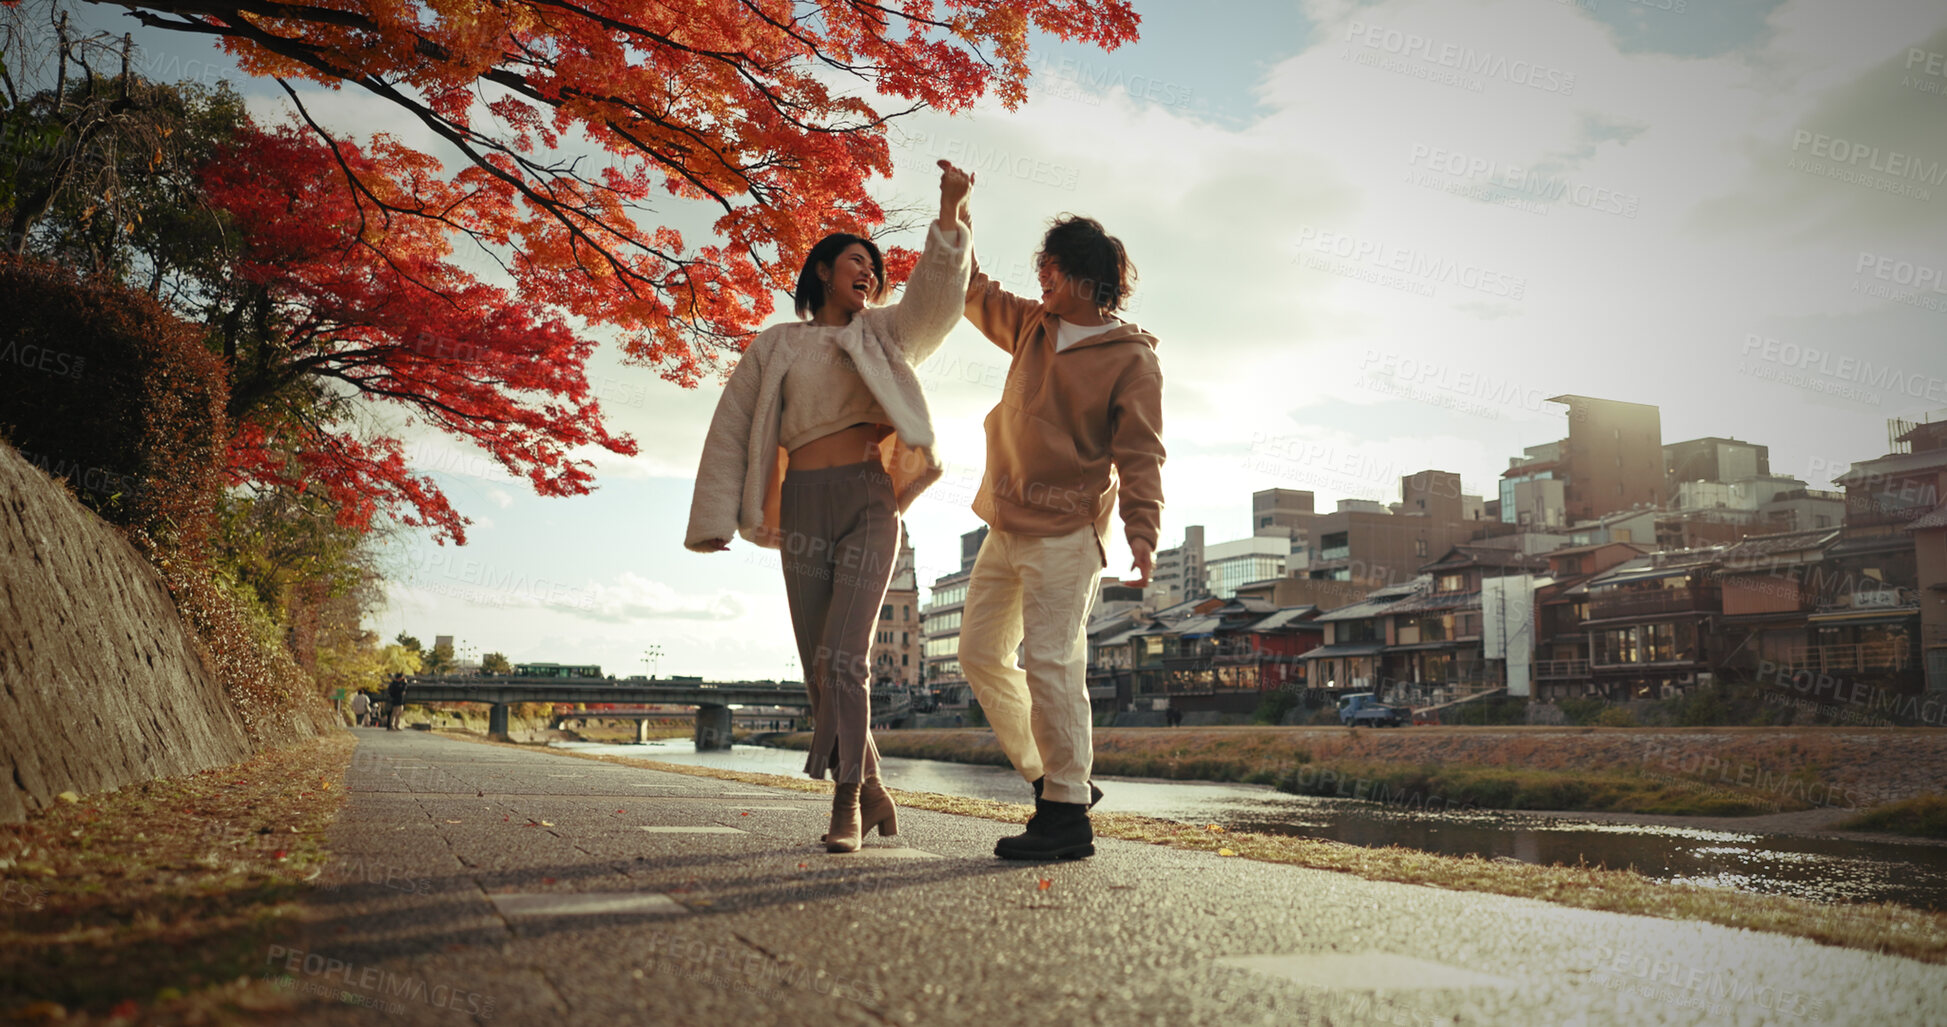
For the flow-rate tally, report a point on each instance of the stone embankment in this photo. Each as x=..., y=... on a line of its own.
x=100, y=683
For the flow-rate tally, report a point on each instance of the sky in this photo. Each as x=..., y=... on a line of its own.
x=1372, y=239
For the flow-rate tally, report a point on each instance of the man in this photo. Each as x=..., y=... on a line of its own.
x=1079, y=422
x=395, y=700
x=361, y=708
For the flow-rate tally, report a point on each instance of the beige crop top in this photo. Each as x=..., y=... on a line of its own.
x=823, y=391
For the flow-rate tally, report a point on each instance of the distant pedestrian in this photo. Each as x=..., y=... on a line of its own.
x=361, y=708
x=395, y=700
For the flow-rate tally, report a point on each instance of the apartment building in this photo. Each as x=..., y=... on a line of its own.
x=898, y=649
x=940, y=626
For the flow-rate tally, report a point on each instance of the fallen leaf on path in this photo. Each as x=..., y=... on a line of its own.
x=1046, y=883
x=1225, y=852
x=1214, y=828
x=453, y=821
x=66, y=797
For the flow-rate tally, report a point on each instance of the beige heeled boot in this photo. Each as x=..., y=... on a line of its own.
x=844, y=834
x=877, y=810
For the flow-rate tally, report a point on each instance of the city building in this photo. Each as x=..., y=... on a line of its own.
x=1868, y=627
x=1178, y=574
x=1439, y=650
x=1362, y=541
x=1613, y=457
x=898, y=645
x=1715, y=459
x=1350, y=656
x=1227, y=565
x=1771, y=586
x=1561, y=667
x=941, y=626
x=1649, y=624
x=1286, y=512
x=1930, y=562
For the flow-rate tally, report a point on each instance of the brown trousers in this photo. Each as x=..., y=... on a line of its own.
x=840, y=528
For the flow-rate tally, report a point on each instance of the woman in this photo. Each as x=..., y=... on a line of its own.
x=821, y=440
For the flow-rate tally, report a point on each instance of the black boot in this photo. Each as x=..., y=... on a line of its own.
x=1094, y=793
x=1058, y=830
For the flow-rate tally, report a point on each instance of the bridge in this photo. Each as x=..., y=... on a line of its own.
x=712, y=699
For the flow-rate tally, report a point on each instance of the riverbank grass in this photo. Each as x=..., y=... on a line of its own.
x=1285, y=762
x=1878, y=927
x=1923, y=816
x=156, y=904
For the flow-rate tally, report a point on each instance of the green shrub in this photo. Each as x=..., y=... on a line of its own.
x=1582, y=712
x=1615, y=716
x=1275, y=704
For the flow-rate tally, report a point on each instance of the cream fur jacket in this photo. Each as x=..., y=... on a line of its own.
x=743, y=465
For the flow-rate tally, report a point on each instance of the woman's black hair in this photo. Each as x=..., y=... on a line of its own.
x=1083, y=251
x=811, y=291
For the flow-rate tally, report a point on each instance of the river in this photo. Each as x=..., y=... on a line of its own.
x=1821, y=869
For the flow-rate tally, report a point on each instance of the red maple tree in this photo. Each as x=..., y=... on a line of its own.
x=357, y=301
x=755, y=107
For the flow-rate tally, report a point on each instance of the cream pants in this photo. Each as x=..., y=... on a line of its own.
x=1037, y=590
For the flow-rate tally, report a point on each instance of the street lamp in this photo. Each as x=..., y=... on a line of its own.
x=652, y=656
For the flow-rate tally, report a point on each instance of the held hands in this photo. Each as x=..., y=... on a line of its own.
x=1143, y=564
x=716, y=545
x=955, y=187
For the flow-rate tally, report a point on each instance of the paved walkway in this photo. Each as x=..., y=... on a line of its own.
x=501, y=886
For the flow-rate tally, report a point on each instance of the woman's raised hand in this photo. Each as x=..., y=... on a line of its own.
x=955, y=185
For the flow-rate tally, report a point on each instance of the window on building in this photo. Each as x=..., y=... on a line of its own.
x=1419, y=544
x=1659, y=643
x=905, y=638
x=904, y=660
x=885, y=612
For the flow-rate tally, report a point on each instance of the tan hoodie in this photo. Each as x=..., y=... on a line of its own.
x=1070, y=426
